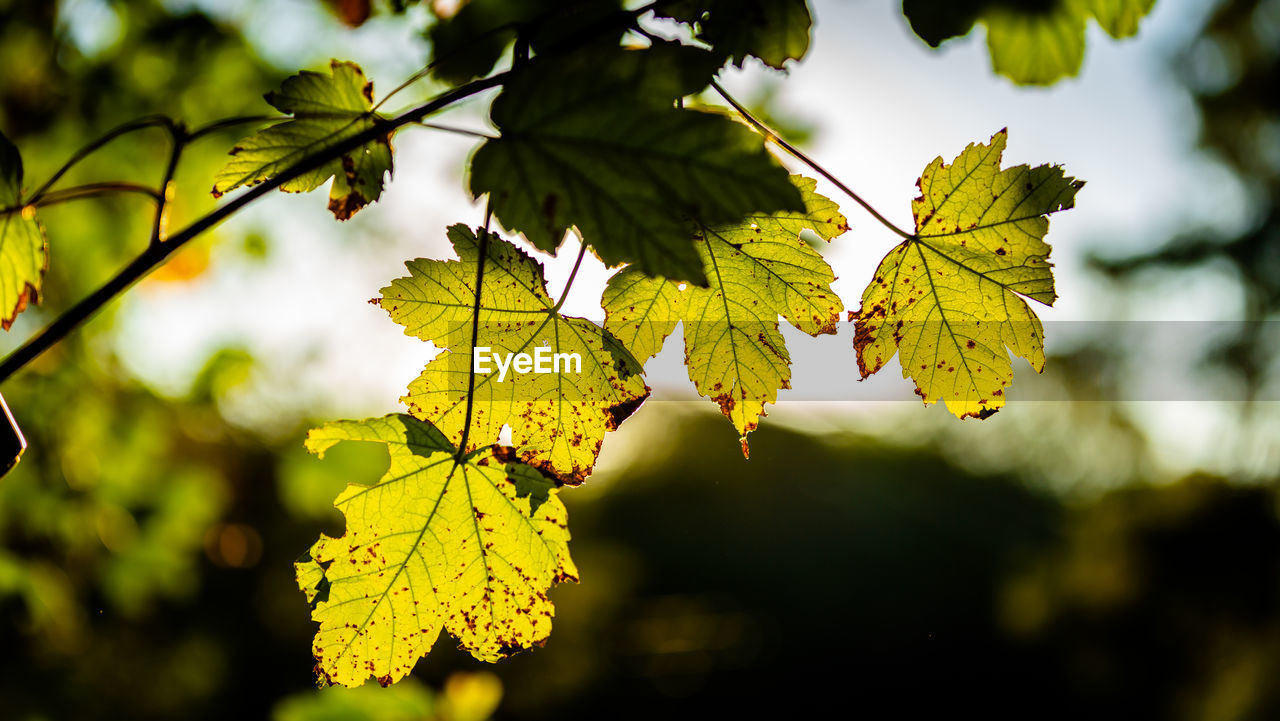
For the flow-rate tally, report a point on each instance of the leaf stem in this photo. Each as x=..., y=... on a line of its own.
x=217, y=125
x=582, y=251
x=772, y=135
x=475, y=331
x=178, y=141
x=79, y=192
x=156, y=254
x=426, y=70
x=150, y=121
x=457, y=130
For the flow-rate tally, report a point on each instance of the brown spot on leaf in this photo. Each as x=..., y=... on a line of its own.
x=622, y=411
x=348, y=205
x=29, y=296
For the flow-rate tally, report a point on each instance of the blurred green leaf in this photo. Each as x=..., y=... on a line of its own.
x=774, y=31
x=469, y=43
x=1032, y=42
x=406, y=701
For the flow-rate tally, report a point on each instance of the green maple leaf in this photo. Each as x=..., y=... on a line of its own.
x=326, y=109
x=1120, y=18
x=469, y=546
x=774, y=31
x=950, y=298
x=468, y=41
x=594, y=141
x=23, y=250
x=758, y=269
x=558, y=419
x=1031, y=43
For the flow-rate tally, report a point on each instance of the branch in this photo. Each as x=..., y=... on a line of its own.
x=772, y=135
x=156, y=254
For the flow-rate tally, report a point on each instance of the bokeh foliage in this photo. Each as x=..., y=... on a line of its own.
x=146, y=541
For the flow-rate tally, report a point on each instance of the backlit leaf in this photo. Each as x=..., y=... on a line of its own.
x=596, y=142
x=1120, y=18
x=949, y=300
x=23, y=251
x=758, y=270
x=1032, y=42
x=558, y=419
x=326, y=109
x=774, y=31
x=437, y=543
x=468, y=41
x=1037, y=48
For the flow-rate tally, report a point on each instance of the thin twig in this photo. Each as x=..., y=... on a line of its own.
x=78, y=192
x=457, y=130
x=772, y=135
x=475, y=332
x=412, y=79
x=150, y=121
x=217, y=125
x=153, y=256
x=425, y=71
x=582, y=251
x=178, y=141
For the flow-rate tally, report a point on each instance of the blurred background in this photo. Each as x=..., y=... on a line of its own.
x=1107, y=546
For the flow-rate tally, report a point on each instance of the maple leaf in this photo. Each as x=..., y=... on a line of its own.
x=1031, y=43
x=950, y=298
x=468, y=40
x=595, y=141
x=758, y=270
x=326, y=109
x=774, y=31
x=1120, y=18
x=470, y=546
x=557, y=419
x=23, y=251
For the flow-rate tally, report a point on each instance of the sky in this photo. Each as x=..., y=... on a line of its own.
x=884, y=105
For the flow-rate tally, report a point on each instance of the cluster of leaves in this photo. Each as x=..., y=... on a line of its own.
x=1032, y=42
x=468, y=535
x=707, y=228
